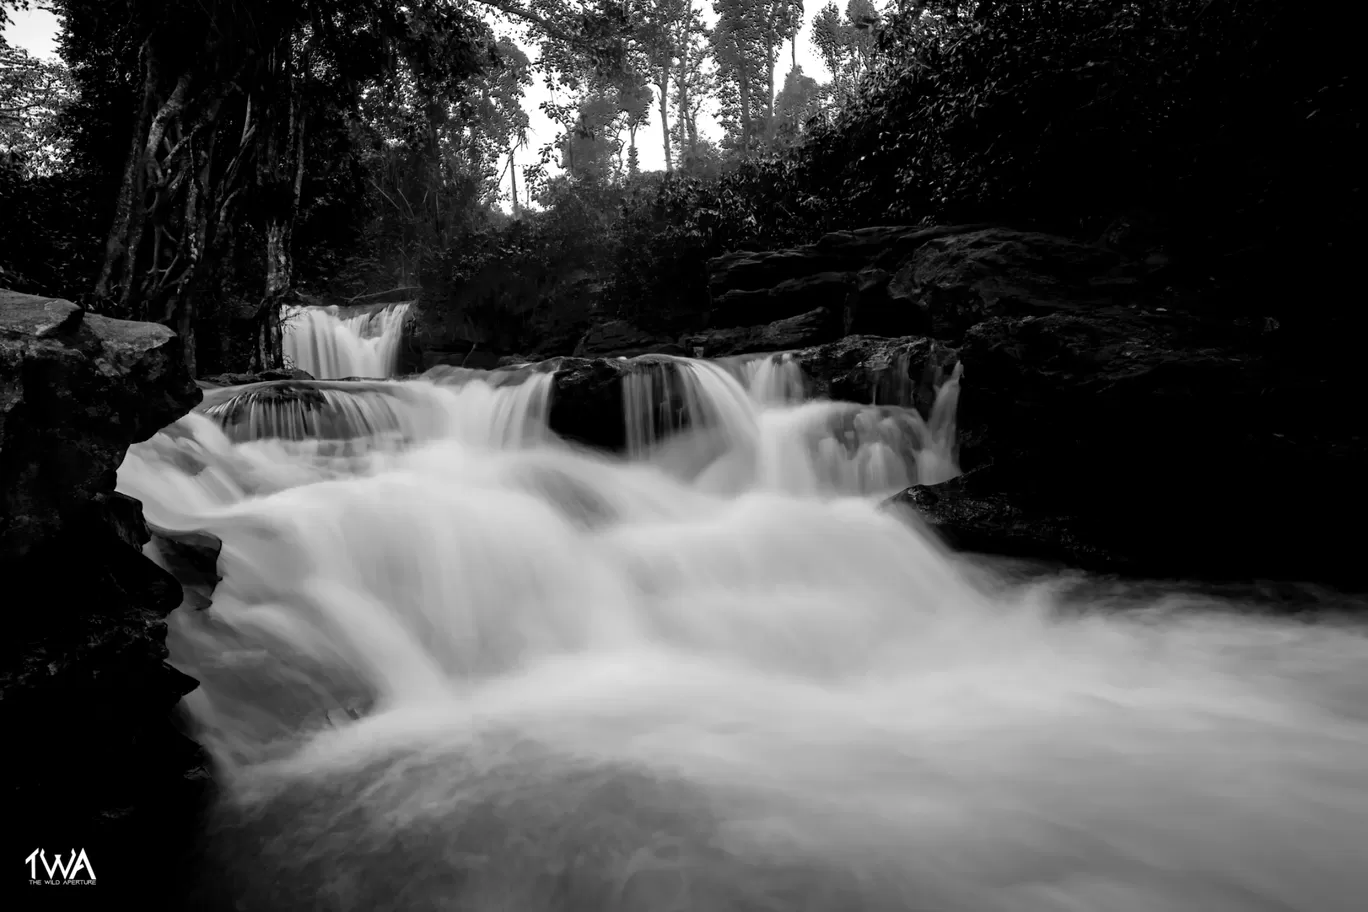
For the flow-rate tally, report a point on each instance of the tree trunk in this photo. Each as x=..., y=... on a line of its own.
x=513, y=179
x=281, y=172
x=130, y=187
x=665, y=113
x=683, y=102
x=744, y=80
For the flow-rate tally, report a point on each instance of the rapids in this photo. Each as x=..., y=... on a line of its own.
x=454, y=662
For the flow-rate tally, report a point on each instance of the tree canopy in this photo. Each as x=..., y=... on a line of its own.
x=199, y=162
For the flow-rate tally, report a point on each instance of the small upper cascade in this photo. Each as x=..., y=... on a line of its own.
x=331, y=344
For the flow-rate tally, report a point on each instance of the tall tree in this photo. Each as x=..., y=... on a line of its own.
x=846, y=43
x=222, y=112
x=33, y=95
x=742, y=61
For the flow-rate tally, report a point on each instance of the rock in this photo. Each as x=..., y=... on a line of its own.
x=870, y=369
x=974, y=513
x=620, y=339
x=86, y=689
x=742, y=272
x=75, y=390
x=789, y=298
x=586, y=404
x=962, y=279
x=233, y=379
x=1136, y=419
x=838, y=252
x=1163, y=449
x=812, y=328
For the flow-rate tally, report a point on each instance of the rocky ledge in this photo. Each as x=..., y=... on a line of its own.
x=1130, y=423
x=86, y=695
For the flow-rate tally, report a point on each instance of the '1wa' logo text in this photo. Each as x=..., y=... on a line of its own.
x=75, y=863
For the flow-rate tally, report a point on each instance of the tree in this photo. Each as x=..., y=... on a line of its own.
x=694, y=86
x=34, y=94
x=846, y=45
x=223, y=100
x=800, y=100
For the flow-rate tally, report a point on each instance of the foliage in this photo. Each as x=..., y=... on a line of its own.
x=33, y=95
x=46, y=244
x=377, y=136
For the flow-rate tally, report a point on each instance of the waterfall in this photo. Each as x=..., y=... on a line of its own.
x=748, y=422
x=455, y=663
x=331, y=346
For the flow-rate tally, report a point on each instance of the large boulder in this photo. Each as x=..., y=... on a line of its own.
x=846, y=272
x=587, y=401
x=620, y=339
x=215, y=381
x=1192, y=451
x=75, y=390
x=875, y=370
x=1116, y=403
x=958, y=280
x=811, y=328
x=93, y=761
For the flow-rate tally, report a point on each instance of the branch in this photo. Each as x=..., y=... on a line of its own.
x=511, y=9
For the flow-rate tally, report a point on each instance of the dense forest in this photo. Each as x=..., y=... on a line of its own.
x=202, y=164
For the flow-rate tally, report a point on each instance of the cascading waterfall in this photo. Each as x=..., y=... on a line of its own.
x=453, y=663
x=745, y=424
x=331, y=346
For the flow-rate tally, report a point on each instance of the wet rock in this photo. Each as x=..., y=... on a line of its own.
x=1155, y=426
x=87, y=692
x=978, y=512
x=812, y=328
x=240, y=379
x=1165, y=449
x=789, y=298
x=75, y=390
x=884, y=305
x=620, y=339
x=962, y=279
x=586, y=403
x=872, y=369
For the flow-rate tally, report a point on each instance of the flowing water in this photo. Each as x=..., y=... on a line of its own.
x=455, y=663
x=332, y=344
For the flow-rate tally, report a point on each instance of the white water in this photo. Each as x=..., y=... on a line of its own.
x=331, y=346
x=463, y=666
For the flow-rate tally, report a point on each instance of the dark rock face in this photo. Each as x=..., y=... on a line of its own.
x=586, y=403
x=94, y=760
x=618, y=338
x=1163, y=445
x=872, y=369
x=960, y=280
x=76, y=391
x=972, y=513
x=1118, y=413
x=789, y=298
x=812, y=328
x=218, y=380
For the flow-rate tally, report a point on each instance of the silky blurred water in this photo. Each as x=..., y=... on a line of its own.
x=454, y=663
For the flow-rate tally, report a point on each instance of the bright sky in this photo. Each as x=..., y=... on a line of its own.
x=35, y=31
